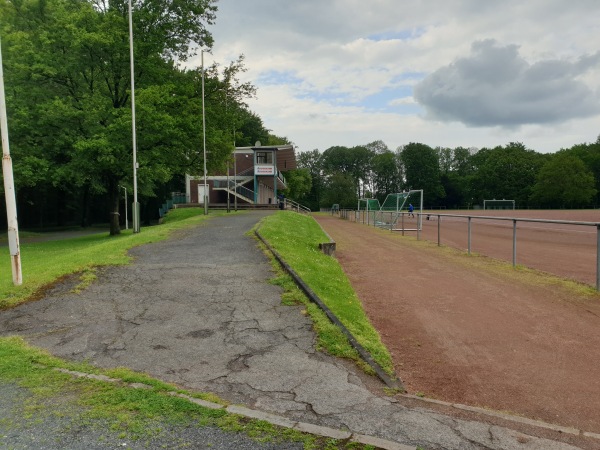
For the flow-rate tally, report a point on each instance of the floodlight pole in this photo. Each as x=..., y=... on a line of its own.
x=204, y=138
x=9, y=189
x=136, y=206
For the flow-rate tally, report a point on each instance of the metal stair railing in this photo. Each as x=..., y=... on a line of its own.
x=236, y=189
x=295, y=206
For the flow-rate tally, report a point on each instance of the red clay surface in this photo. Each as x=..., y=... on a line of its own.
x=472, y=331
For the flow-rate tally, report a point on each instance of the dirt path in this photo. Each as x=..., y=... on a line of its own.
x=465, y=330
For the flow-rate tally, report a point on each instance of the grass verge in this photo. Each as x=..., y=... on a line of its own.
x=296, y=238
x=112, y=411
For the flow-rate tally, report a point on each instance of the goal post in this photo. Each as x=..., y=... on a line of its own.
x=395, y=213
x=498, y=204
x=367, y=207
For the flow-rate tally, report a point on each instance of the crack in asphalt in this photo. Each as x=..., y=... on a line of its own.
x=202, y=315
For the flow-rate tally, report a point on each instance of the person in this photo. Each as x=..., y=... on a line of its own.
x=281, y=201
x=411, y=208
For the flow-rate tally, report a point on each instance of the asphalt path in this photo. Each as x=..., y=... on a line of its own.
x=197, y=310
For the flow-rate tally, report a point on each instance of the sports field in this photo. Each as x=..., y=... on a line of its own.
x=561, y=249
x=475, y=331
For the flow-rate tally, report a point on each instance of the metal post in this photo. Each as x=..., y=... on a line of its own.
x=234, y=180
x=402, y=223
x=135, y=209
x=228, y=188
x=418, y=229
x=439, y=222
x=420, y=216
x=514, y=243
x=598, y=257
x=469, y=237
x=204, y=138
x=9, y=190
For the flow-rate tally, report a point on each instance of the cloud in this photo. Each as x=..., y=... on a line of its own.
x=495, y=86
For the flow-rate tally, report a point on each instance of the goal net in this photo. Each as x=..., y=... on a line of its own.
x=402, y=211
x=367, y=208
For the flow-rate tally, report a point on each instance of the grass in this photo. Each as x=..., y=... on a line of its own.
x=117, y=409
x=43, y=263
x=138, y=414
x=296, y=238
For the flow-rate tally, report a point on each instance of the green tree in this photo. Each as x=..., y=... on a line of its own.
x=313, y=162
x=299, y=184
x=589, y=153
x=69, y=68
x=564, y=182
x=353, y=162
x=507, y=172
x=422, y=171
x=340, y=190
x=387, y=174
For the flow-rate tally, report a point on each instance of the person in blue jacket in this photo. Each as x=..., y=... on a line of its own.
x=411, y=208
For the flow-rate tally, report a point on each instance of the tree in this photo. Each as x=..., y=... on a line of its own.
x=339, y=189
x=507, y=172
x=422, y=171
x=354, y=162
x=590, y=155
x=313, y=162
x=387, y=174
x=299, y=184
x=564, y=182
x=69, y=69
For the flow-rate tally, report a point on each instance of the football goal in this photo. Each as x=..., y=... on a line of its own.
x=498, y=204
x=367, y=208
x=402, y=211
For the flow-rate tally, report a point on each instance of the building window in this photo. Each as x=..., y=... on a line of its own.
x=264, y=157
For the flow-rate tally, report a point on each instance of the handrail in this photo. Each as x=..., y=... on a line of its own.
x=245, y=171
x=295, y=206
x=235, y=187
x=345, y=214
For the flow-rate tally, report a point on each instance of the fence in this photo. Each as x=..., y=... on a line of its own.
x=369, y=219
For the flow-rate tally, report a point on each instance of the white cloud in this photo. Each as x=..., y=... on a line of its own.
x=495, y=86
x=347, y=62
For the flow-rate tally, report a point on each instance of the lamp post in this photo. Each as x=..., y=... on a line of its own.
x=9, y=189
x=135, y=209
x=205, y=190
x=126, y=221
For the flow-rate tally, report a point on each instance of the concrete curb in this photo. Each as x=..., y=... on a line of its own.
x=333, y=433
x=508, y=417
x=273, y=419
x=391, y=382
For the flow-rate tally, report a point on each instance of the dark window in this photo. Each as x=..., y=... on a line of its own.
x=264, y=157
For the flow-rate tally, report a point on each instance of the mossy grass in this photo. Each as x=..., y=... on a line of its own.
x=134, y=414
x=45, y=262
x=296, y=238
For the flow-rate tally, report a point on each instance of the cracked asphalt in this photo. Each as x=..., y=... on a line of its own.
x=197, y=311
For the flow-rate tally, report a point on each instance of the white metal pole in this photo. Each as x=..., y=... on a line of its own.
x=136, y=206
x=204, y=138
x=9, y=189
x=234, y=178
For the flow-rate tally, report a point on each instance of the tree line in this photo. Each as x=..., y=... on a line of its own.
x=452, y=178
x=68, y=96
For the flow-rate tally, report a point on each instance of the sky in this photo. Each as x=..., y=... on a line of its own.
x=471, y=73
